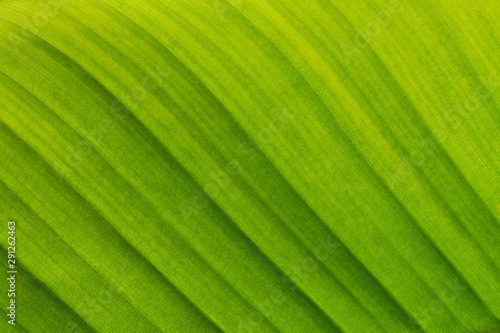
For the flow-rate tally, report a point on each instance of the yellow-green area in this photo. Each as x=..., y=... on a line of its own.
x=251, y=165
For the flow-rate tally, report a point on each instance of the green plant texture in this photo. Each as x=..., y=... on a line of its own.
x=240, y=166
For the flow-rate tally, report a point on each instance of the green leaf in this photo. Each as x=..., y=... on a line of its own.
x=251, y=166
